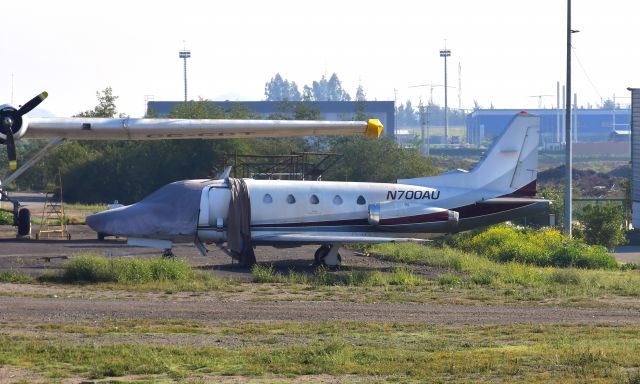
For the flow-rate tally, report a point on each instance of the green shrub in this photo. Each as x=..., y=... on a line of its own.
x=546, y=247
x=603, y=224
x=6, y=218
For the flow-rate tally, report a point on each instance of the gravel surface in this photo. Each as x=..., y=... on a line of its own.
x=78, y=310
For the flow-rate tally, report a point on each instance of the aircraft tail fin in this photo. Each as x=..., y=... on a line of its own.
x=508, y=168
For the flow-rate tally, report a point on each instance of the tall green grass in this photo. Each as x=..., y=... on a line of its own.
x=99, y=269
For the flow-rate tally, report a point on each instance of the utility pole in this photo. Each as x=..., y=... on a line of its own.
x=445, y=53
x=184, y=55
x=568, y=162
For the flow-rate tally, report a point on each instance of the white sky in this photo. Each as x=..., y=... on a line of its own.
x=508, y=49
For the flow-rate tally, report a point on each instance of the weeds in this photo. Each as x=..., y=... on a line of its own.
x=400, y=276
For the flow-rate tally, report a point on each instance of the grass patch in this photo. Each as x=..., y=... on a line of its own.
x=399, y=276
x=15, y=277
x=158, y=273
x=473, y=270
x=99, y=269
x=373, y=351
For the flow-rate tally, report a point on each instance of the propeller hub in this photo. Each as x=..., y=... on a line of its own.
x=7, y=122
x=12, y=119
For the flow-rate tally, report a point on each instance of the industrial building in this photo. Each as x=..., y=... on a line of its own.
x=329, y=110
x=589, y=125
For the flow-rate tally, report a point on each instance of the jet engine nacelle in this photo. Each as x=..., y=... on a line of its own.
x=401, y=213
x=214, y=210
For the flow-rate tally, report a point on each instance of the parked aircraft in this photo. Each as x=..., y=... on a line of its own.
x=243, y=212
x=15, y=125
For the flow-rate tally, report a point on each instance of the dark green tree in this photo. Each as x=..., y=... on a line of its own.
x=106, y=105
x=381, y=160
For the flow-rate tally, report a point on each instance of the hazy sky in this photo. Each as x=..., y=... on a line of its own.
x=508, y=50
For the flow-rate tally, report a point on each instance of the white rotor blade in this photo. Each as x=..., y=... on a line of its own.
x=153, y=129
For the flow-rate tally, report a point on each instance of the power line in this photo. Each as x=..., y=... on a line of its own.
x=575, y=53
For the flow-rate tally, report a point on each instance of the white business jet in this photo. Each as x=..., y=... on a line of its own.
x=243, y=213
x=14, y=125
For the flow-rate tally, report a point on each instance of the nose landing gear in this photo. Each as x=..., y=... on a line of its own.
x=327, y=256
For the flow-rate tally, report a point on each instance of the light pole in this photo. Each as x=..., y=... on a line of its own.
x=445, y=53
x=184, y=54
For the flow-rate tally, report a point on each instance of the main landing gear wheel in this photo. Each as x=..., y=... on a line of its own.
x=24, y=223
x=168, y=254
x=327, y=256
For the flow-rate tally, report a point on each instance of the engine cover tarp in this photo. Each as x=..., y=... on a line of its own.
x=239, y=222
x=170, y=212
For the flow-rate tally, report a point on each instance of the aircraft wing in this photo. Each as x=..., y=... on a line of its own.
x=153, y=129
x=326, y=238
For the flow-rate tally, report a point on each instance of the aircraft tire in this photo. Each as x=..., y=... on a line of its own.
x=319, y=255
x=24, y=222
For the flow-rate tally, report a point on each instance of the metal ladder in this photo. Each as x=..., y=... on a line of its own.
x=53, y=219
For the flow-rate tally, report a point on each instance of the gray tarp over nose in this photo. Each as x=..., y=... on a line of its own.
x=170, y=212
x=239, y=222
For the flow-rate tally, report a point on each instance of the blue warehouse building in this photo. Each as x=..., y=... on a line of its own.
x=329, y=110
x=593, y=125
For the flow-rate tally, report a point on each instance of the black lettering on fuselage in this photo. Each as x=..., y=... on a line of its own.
x=413, y=195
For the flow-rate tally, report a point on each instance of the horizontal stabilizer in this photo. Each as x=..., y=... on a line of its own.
x=511, y=200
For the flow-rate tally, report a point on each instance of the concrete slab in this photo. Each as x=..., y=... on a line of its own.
x=628, y=254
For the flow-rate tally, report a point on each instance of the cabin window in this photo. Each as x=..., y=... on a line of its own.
x=314, y=199
x=291, y=199
x=337, y=200
x=361, y=200
x=267, y=199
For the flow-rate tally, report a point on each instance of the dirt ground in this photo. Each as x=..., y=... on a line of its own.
x=61, y=304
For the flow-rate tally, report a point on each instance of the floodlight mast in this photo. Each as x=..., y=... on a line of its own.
x=185, y=54
x=445, y=53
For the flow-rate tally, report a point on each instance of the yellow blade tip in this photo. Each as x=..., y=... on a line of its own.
x=374, y=128
x=13, y=165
